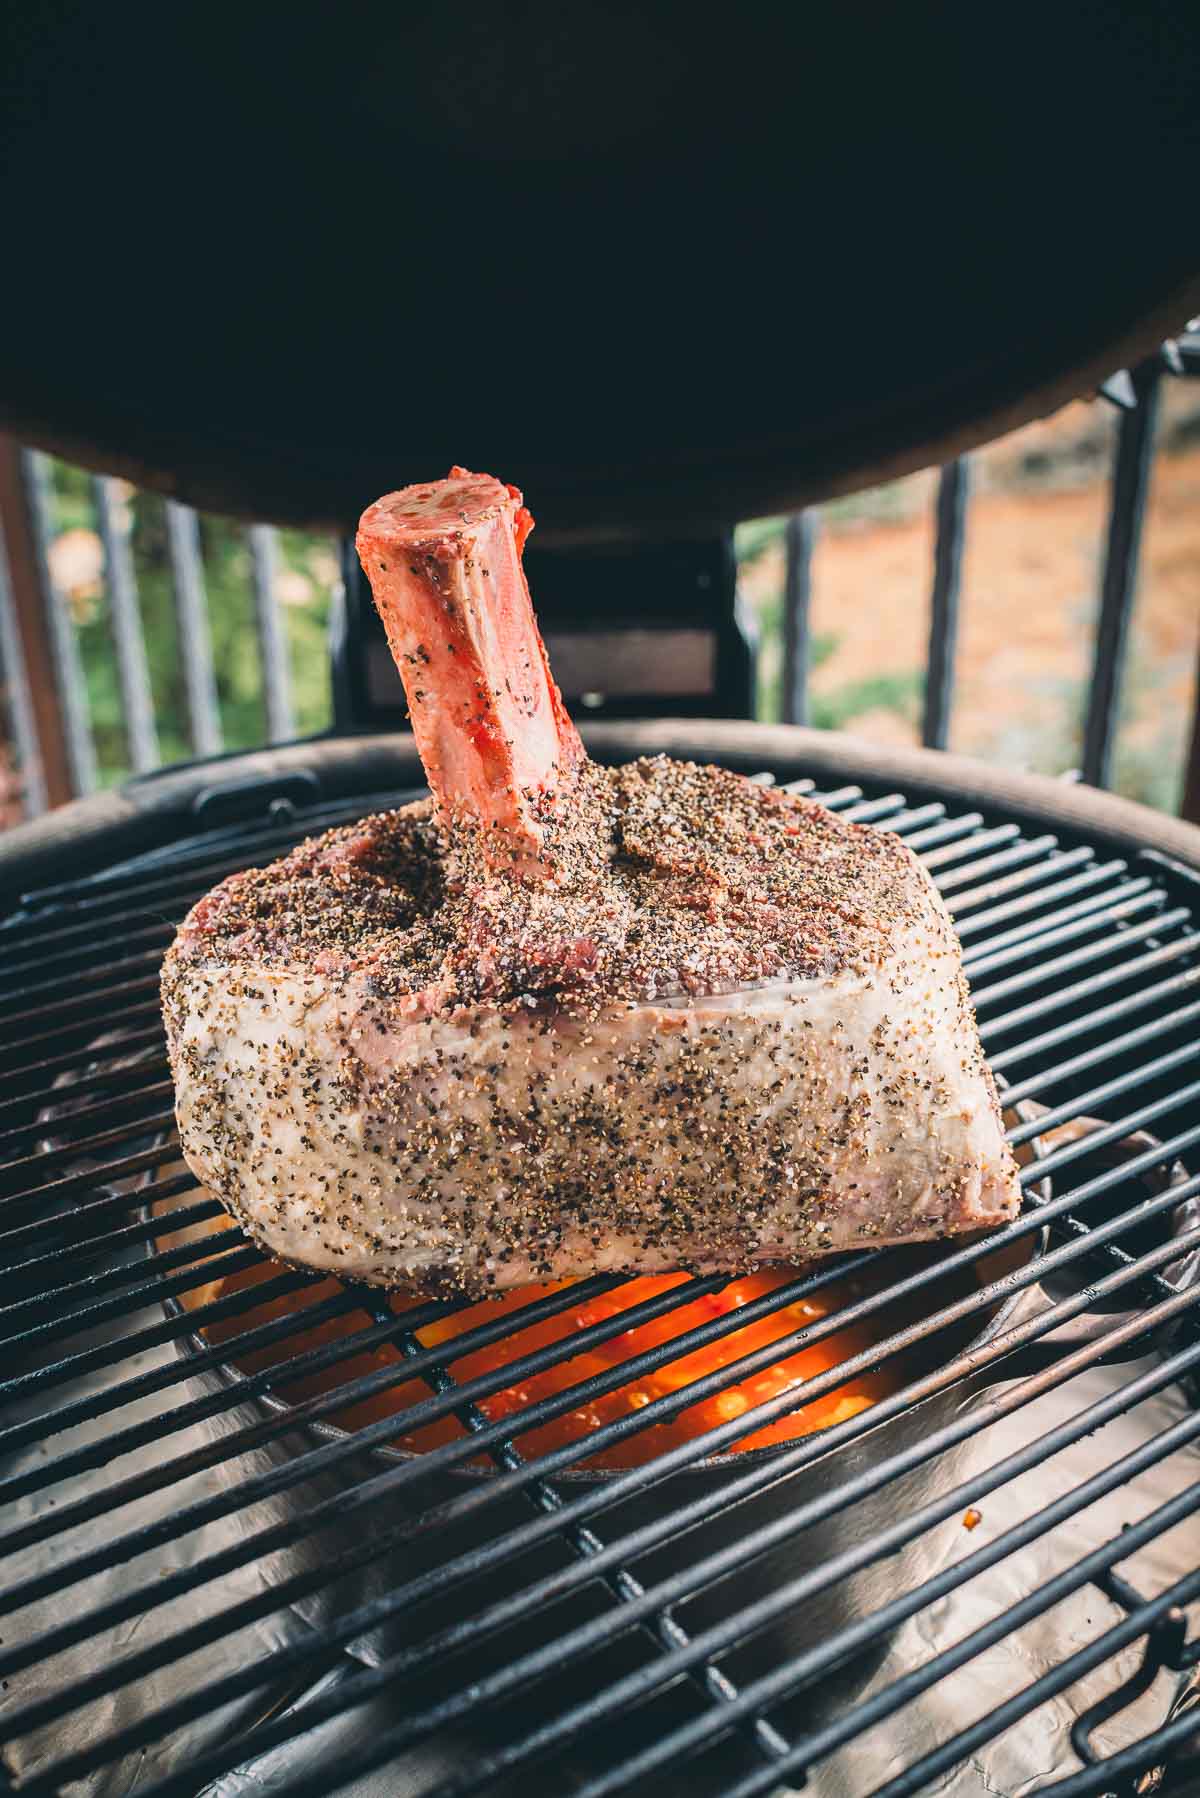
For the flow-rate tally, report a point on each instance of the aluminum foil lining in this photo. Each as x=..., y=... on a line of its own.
x=1028, y=1757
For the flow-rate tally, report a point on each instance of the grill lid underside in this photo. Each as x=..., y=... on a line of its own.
x=660, y=278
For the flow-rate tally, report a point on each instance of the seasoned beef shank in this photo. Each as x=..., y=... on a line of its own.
x=563, y=1018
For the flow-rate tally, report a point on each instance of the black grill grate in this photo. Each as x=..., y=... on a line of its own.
x=1085, y=972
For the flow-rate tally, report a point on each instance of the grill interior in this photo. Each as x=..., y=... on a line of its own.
x=147, y=1630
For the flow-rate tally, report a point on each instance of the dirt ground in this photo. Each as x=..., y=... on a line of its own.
x=1030, y=593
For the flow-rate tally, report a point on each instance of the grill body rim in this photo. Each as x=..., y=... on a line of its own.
x=745, y=748
x=92, y=834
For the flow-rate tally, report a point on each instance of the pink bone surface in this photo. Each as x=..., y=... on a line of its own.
x=444, y=562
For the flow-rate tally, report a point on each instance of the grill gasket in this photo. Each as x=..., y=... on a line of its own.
x=1015, y=874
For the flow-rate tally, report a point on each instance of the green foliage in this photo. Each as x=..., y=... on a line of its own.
x=307, y=572
x=1148, y=764
x=1151, y=775
x=839, y=706
x=876, y=505
x=752, y=540
x=899, y=693
x=1146, y=768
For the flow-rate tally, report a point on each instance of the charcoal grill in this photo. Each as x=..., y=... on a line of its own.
x=147, y=1638
x=162, y=1629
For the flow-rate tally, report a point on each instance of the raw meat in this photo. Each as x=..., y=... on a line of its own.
x=564, y=1018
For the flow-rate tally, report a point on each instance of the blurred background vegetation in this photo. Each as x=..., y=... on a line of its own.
x=1030, y=595
x=305, y=582
x=1030, y=589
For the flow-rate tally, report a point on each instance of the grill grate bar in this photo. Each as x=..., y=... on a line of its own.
x=61, y=1637
x=873, y=811
x=1053, y=934
x=1088, y=1058
x=280, y=1374
x=232, y=1260
x=196, y=850
x=130, y=1042
x=374, y=1435
x=914, y=818
x=18, y=1050
x=44, y=930
x=86, y=1180
x=1118, y=940
x=1073, y=1668
x=158, y=932
x=1031, y=849
x=83, y=1114
x=835, y=800
x=1096, y=1097
x=1158, y=1749
x=80, y=1216
x=883, y=1704
x=820, y=1743
x=159, y=1378
x=125, y=1236
x=535, y=1665
x=664, y=1631
x=1020, y=881
x=955, y=829
x=99, y=999
x=189, y=873
x=1085, y=989
x=1096, y=875
x=671, y=1591
x=1112, y=906
x=1030, y=913
x=178, y=892
x=1158, y=1156
x=1129, y=1125
x=1108, y=1014
x=132, y=1487
x=114, y=1077
x=106, y=1353
x=103, y=1139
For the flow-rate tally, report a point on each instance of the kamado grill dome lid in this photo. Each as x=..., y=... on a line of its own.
x=665, y=267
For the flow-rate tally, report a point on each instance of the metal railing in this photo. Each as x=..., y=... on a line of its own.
x=39, y=651
x=1136, y=395
x=47, y=701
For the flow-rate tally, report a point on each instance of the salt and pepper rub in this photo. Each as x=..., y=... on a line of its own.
x=564, y=1018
